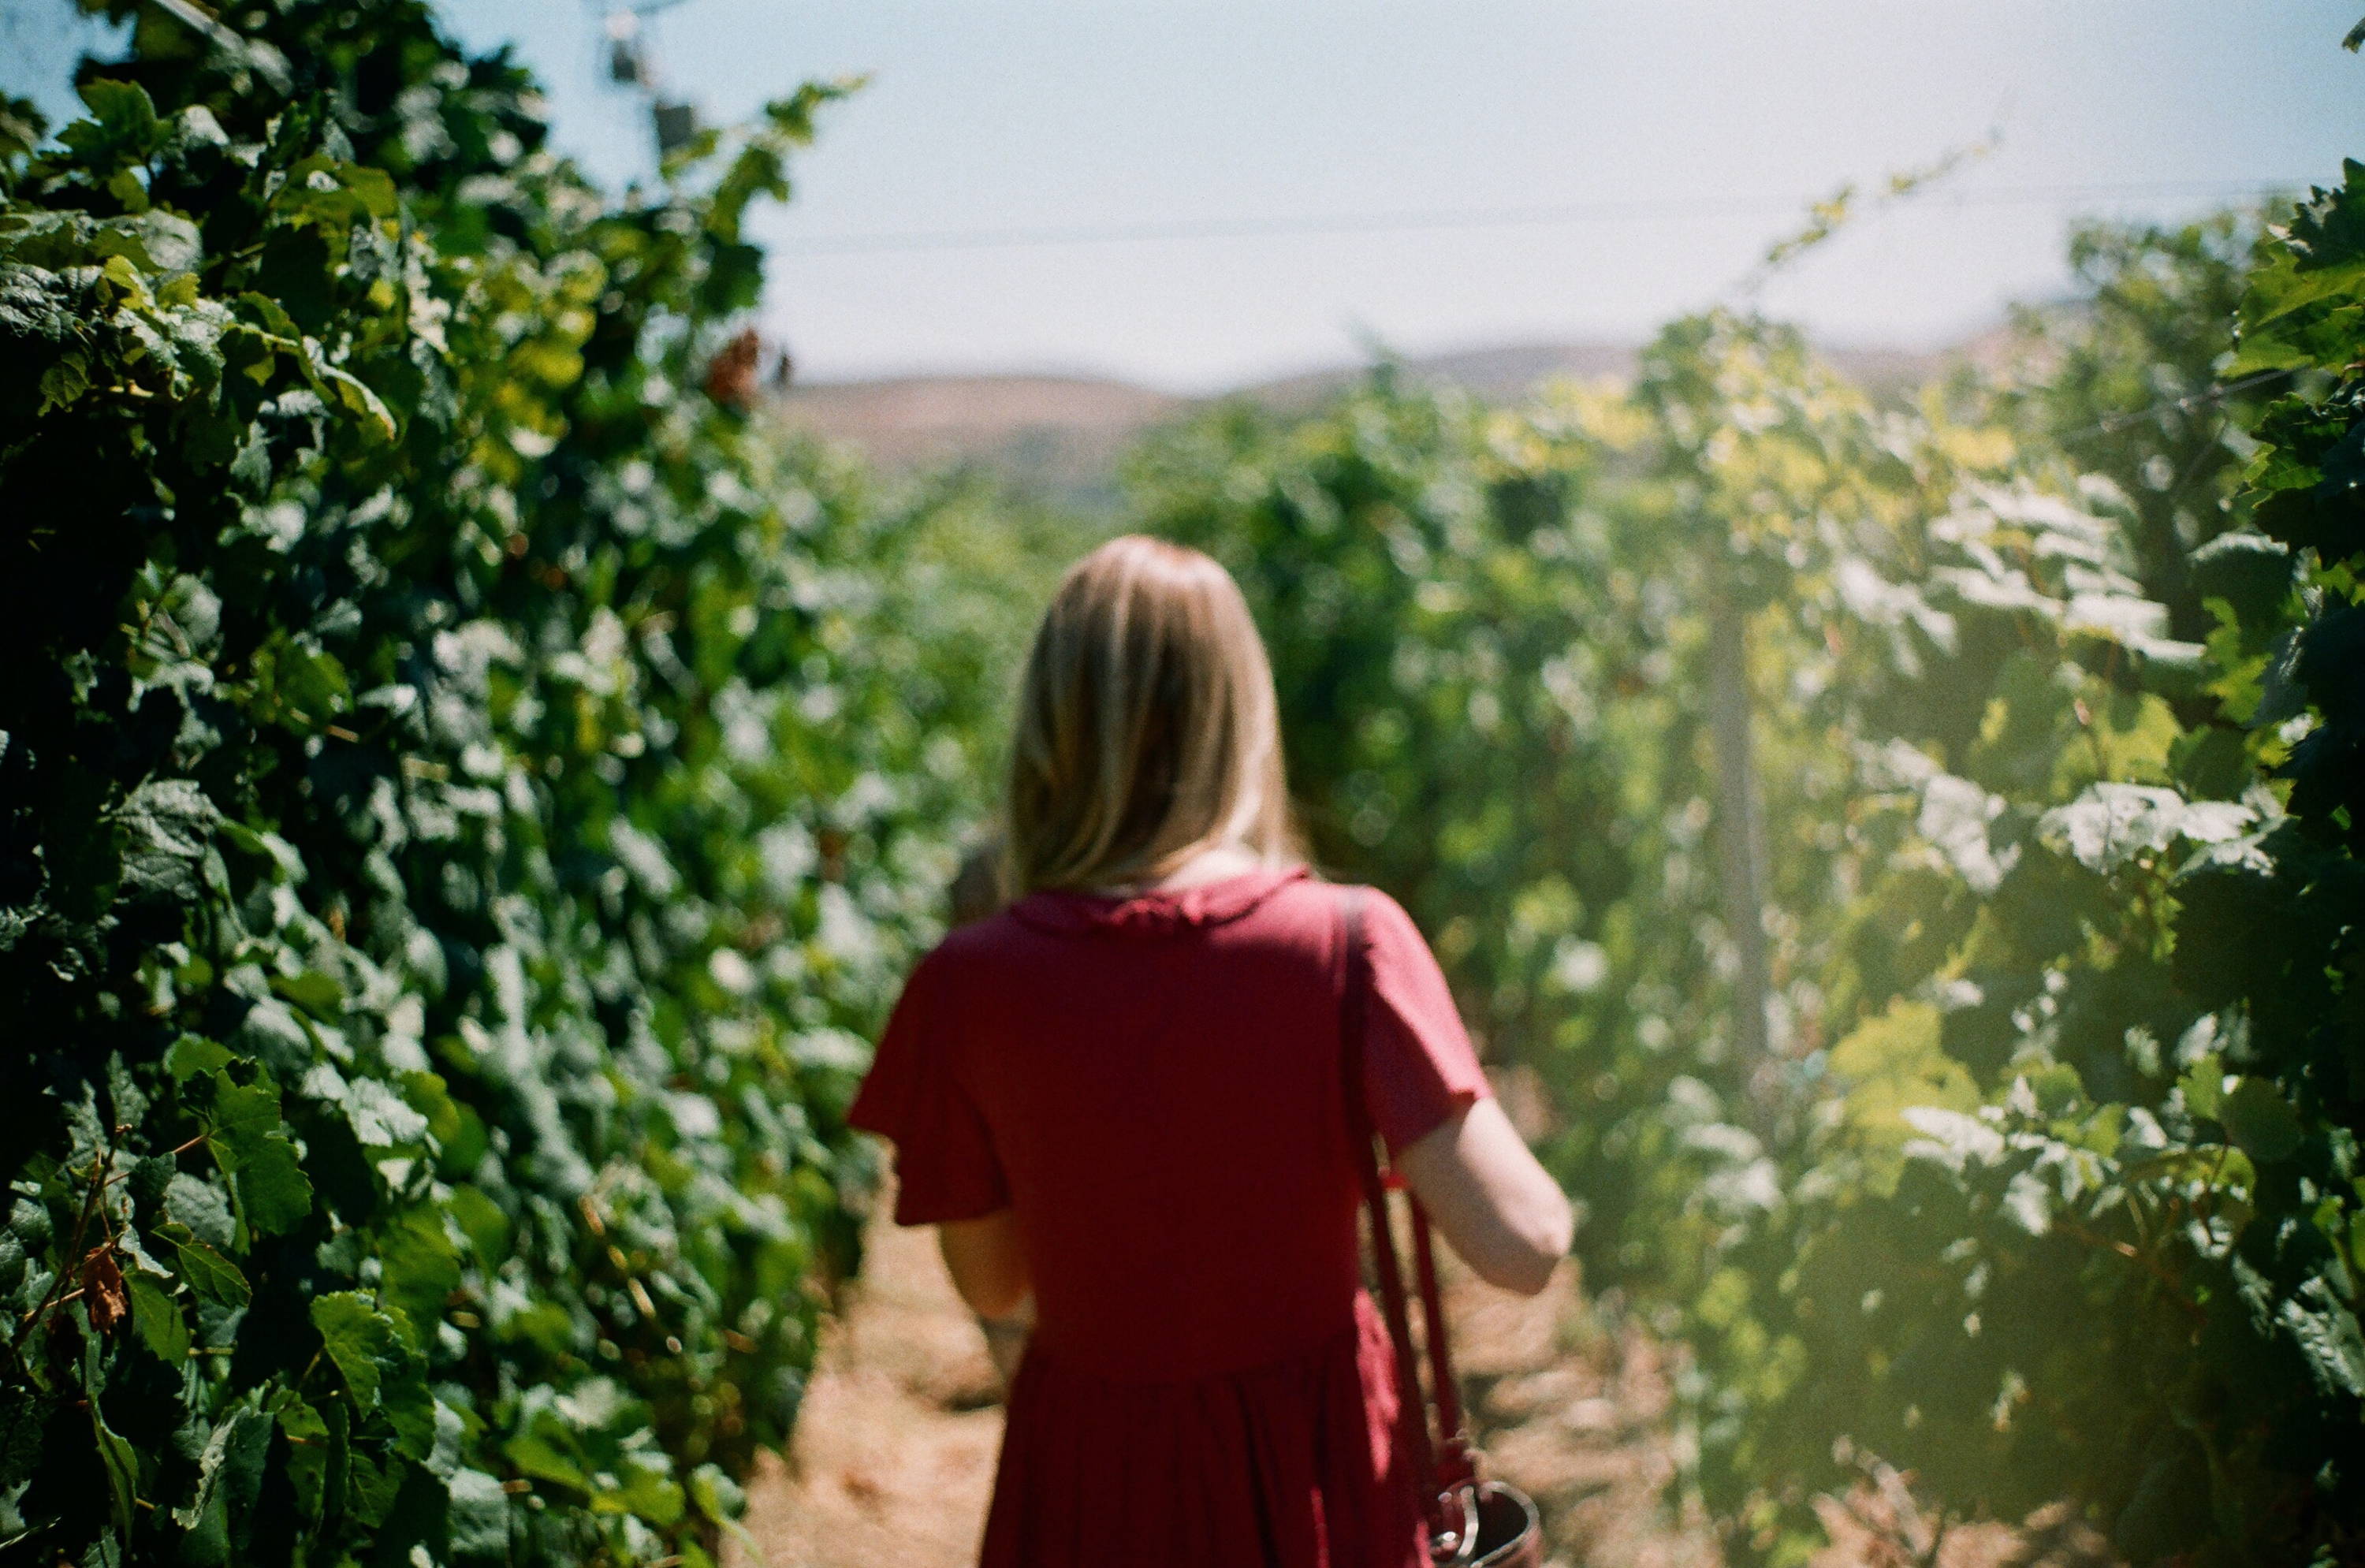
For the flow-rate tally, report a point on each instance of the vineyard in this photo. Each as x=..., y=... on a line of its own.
x=470, y=785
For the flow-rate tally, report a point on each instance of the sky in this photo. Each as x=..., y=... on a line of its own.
x=1197, y=194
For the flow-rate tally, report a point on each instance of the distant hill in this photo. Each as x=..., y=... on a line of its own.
x=1059, y=438
x=1497, y=373
x=926, y=419
x=1512, y=372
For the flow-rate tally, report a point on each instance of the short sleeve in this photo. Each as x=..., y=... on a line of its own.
x=1419, y=1065
x=946, y=1167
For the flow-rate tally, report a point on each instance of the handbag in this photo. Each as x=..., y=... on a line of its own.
x=1472, y=1523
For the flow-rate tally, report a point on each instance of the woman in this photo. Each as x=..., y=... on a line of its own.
x=1119, y=1101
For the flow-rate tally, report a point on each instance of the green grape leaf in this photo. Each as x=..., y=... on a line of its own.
x=718, y=1496
x=479, y=1518
x=420, y=1266
x=314, y=1453
x=246, y=1136
x=376, y=1352
x=115, y=1456
x=373, y=1484
x=2203, y=1086
x=362, y=1341
x=164, y=826
x=205, y=1270
x=322, y=995
x=123, y=123
x=537, y=1456
x=193, y=1055
x=356, y=396
x=2327, y=1331
x=2110, y=824
x=453, y=1432
x=157, y=1317
x=481, y=1220
x=2262, y=1124
x=156, y=240
x=647, y=1490
x=230, y=1473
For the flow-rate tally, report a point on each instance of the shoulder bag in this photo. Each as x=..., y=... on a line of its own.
x=1471, y=1523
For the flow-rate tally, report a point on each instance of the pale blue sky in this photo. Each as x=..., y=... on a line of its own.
x=1699, y=125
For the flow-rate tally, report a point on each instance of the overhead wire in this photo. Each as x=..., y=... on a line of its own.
x=914, y=241
x=2111, y=424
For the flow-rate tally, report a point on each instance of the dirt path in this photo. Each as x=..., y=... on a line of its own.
x=894, y=1451
x=894, y=1454
x=895, y=1448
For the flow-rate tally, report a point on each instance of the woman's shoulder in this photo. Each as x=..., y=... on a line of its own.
x=1310, y=914
x=1315, y=914
x=1312, y=896
x=975, y=944
x=1285, y=907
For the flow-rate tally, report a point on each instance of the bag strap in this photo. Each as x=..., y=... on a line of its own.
x=1438, y=1473
x=1456, y=1464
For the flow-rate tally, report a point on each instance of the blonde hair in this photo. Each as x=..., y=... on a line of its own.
x=1148, y=729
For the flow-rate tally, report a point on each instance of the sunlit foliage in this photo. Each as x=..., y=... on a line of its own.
x=463, y=799
x=2043, y=1185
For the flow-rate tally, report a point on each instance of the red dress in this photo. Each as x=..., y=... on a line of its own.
x=1151, y=1085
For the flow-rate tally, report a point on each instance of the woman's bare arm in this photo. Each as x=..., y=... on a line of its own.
x=1497, y=1207
x=1504, y=1215
x=986, y=1263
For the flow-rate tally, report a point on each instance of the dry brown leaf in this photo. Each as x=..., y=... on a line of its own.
x=102, y=1290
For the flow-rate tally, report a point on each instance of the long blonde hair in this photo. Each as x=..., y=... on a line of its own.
x=1148, y=729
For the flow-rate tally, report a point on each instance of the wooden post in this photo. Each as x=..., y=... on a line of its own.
x=1740, y=831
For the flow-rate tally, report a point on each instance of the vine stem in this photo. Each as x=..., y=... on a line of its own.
x=2148, y=1263
x=173, y=1152
x=74, y=1248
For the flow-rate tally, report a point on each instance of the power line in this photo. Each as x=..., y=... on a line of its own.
x=2208, y=396
x=1470, y=218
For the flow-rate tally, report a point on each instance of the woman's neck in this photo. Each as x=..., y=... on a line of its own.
x=1212, y=865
